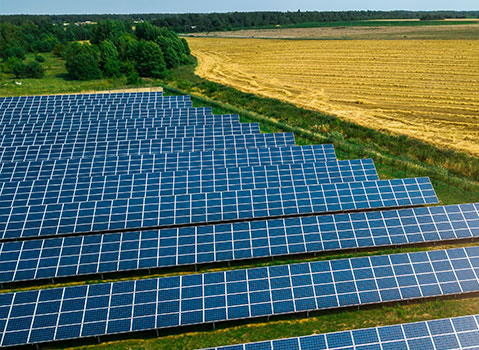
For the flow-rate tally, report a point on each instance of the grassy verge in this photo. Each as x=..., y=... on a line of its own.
x=455, y=175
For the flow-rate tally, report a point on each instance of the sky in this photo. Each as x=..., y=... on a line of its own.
x=182, y=6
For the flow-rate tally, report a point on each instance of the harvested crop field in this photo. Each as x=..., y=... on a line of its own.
x=427, y=89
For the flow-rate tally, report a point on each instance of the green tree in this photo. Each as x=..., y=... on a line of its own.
x=13, y=51
x=82, y=61
x=109, y=61
x=108, y=30
x=172, y=56
x=149, y=60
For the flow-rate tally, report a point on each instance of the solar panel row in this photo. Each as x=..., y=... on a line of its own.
x=20, y=104
x=148, y=163
x=95, y=109
x=443, y=334
x=27, y=193
x=212, y=207
x=110, y=308
x=125, y=251
x=104, y=100
x=83, y=117
x=93, y=136
x=133, y=123
x=136, y=147
x=94, y=96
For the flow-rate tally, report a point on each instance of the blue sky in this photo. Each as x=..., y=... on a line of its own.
x=180, y=6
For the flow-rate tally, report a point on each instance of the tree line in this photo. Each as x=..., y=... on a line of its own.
x=109, y=48
x=191, y=22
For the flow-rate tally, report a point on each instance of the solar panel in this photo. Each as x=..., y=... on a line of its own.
x=128, y=123
x=117, y=148
x=94, y=96
x=120, y=307
x=444, y=334
x=114, y=252
x=84, y=117
x=86, y=102
x=145, y=163
x=52, y=105
x=80, y=189
x=96, y=109
x=212, y=207
x=94, y=136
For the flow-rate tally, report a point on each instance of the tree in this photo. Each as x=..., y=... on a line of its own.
x=172, y=58
x=13, y=51
x=109, y=62
x=149, y=60
x=82, y=61
x=108, y=30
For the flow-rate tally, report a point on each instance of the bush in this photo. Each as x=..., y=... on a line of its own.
x=31, y=69
x=39, y=58
x=7, y=66
x=82, y=61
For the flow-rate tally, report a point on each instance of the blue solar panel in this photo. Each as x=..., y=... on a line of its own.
x=443, y=334
x=90, y=101
x=82, y=149
x=95, y=108
x=121, y=307
x=109, y=215
x=82, y=255
x=52, y=106
x=134, y=123
x=93, y=96
x=144, y=163
x=16, y=123
x=94, y=136
x=80, y=189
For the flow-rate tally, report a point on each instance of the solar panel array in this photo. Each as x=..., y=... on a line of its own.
x=94, y=184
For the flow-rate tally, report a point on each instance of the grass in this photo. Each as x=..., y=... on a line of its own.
x=56, y=81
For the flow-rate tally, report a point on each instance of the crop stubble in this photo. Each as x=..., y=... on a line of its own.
x=428, y=89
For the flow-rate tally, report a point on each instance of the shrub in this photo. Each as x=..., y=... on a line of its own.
x=31, y=69
x=39, y=58
x=58, y=50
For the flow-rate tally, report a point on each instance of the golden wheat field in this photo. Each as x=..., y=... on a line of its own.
x=428, y=89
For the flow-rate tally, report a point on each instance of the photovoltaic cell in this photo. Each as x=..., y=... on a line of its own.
x=212, y=207
x=144, y=163
x=121, y=307
x=17, y=122
x=444, y=334
x=80, y=189
x=94, y=136
x=118, y=148
x=96, y=254
x=93, y=96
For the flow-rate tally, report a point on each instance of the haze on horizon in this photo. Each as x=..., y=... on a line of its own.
x=205, y=6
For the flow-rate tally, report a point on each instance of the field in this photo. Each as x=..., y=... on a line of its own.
x=363, y=30
x=426, y=89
